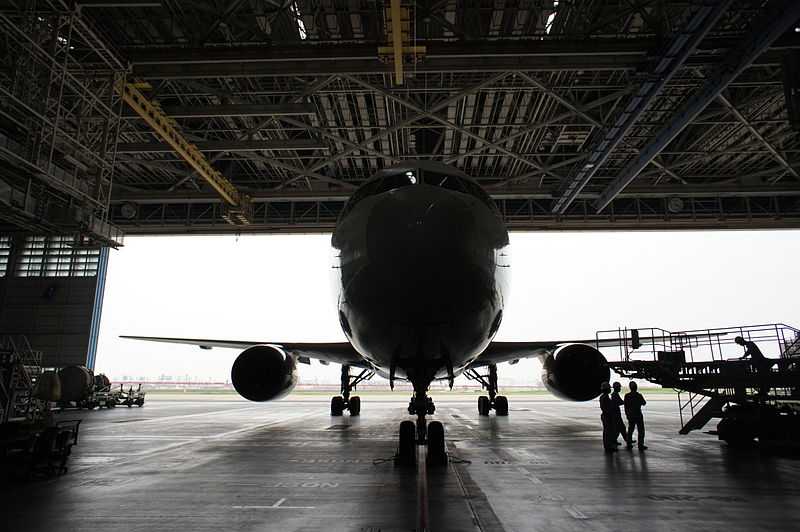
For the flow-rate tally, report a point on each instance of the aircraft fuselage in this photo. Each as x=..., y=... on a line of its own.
x=421, y=266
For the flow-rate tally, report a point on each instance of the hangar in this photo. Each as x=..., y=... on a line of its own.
x=142, y=118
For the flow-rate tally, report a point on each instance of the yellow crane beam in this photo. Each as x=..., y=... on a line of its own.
x=398, y=33
x=397, y=39
x=237, y=209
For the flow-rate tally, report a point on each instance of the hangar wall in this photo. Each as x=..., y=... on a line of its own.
x=51, y=291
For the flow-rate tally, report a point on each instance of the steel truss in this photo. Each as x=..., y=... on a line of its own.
x=289, y=102
x=57, y=164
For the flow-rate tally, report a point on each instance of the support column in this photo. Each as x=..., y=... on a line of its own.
x=97, y=308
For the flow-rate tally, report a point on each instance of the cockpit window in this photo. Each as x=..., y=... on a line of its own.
x=459, y=184
x=379, y=186
x=410, y=177
x=393, y=181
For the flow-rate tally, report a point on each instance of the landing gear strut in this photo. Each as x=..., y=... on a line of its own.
x=421, y=405
x=498, y=403
x=421, y=433
x=343, y=402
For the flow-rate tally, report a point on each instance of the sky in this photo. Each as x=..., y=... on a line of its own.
x=563, y=286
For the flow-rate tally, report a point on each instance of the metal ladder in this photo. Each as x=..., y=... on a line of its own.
x=21, y=368
x=792, y=348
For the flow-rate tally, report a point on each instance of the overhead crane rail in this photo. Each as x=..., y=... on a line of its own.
x=754, y=399
x=237, y=207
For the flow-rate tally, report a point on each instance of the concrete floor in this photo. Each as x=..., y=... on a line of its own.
x=224, y=464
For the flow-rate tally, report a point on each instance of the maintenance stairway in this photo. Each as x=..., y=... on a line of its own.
x=754, y=400
x=20, y=368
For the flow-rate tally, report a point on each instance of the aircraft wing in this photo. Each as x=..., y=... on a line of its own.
x=333, y=352
x=509, y=351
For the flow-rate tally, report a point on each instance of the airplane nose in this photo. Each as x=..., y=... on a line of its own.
x=420, y=234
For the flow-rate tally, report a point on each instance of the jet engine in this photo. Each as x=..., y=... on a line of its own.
x=575, y=372
x=264, y=373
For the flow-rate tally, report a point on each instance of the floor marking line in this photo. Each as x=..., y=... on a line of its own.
x=277, y=506
x=533, y=479
x=423, y=520
x=574, y=512
x=273, y=507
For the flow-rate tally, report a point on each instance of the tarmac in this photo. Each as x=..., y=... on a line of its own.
x=218, y=463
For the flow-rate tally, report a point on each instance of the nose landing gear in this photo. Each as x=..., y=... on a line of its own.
x=421, y=433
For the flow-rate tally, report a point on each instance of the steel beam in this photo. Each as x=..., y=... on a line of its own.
x=464, y=131
x=497, y=193
x=239, y=208
x=396, y=39
x=337, y=53
x=473, y=56
x=620, y=54
x=225, y=146
x=627, y=214
x=753, y=131
x=222, y=111
x=555, y=120
x=672, y=60
x=400, y=125
x=262, y=124
x=733, y=65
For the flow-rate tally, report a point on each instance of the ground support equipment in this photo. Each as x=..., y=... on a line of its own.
x=755, y=396
x=28, y=450
x=131, y=397
x=752, y=403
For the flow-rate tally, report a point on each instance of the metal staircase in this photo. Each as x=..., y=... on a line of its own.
x=20, y=368
x=704, y=366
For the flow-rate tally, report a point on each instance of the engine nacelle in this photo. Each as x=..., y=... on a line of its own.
x=575, y=372
x=264, y=373
x=76, y=382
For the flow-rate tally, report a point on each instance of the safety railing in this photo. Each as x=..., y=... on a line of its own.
x=775, y=340
x=21, y=367
x=705, y=366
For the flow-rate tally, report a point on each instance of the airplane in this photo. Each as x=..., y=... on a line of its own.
x=421, y=273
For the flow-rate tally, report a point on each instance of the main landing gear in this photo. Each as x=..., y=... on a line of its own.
x=343, y=402
x=421, y=433
x=498, y=403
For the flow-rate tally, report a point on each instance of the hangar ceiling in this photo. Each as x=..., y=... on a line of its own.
x=575, y=115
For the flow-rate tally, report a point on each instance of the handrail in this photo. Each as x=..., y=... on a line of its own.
x=24, y=364
x=776, y=340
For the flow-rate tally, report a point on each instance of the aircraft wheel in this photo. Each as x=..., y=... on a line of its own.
x=355, y=406
x=483, y=405
x=407, y=448
x=437, y=456
x=337, y=405
x=501, y=405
